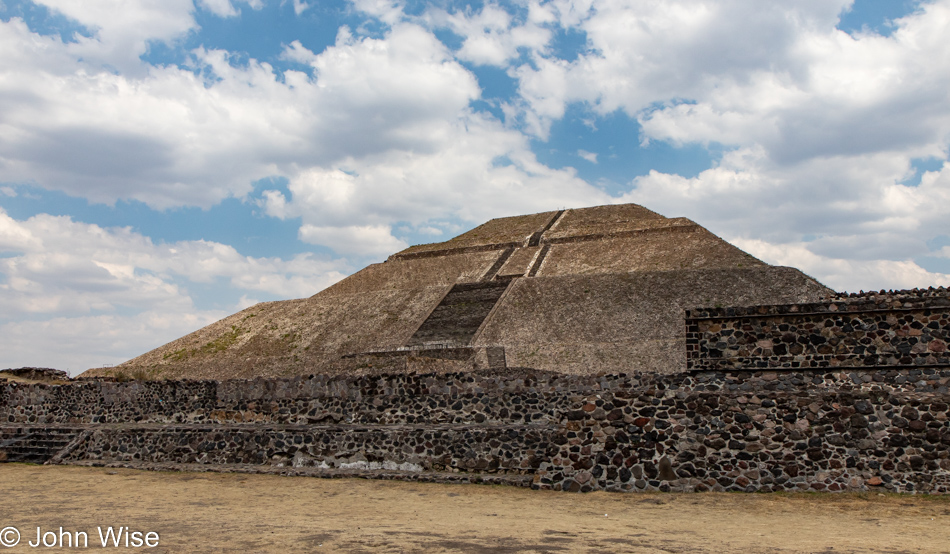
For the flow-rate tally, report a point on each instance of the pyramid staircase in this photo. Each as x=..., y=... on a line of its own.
x=456, y=319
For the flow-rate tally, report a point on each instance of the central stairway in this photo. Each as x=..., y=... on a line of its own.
x=460, y=313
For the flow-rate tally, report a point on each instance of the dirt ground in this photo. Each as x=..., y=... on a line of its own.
x=209, y=512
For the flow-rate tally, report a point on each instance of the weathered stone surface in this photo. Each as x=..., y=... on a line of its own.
x=35, y=374
x=624, y=322
x=741, y=431
x=598, y=289
x=902, y=328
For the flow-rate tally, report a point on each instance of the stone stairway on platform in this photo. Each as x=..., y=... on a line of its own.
x=509, y=479
x=460, y=313
x=475, y=451
x=34, y=445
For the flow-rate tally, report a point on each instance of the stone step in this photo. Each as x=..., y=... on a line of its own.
x=41, y=443
x=510, y=479
x=35, y=449
x=460, y=313
x=35, y=446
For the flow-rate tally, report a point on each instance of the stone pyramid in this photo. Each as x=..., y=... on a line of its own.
x=578, y=291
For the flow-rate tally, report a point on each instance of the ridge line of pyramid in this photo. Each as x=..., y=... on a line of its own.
x=552, y=231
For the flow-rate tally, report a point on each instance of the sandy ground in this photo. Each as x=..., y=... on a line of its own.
x=209, y=512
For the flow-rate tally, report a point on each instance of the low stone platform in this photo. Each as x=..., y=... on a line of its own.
x=886, y=428
x=325, y=473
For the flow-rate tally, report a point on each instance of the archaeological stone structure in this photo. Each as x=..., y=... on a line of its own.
x=580, y=291
x=604, y=348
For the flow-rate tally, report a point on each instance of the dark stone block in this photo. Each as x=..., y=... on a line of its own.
x=863, y=407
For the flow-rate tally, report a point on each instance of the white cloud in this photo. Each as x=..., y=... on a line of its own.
x=647, y=52
x=61, y=265
x=221, y=8
x=295, y=51
x=440, y=162
x=123, y=28
x=171, y=138
x=744, y=73
x=492, y=36
x=80, y=343
x=837, y=95
x=362, y=240
x=843, y=274
x=394, y=109
x=458, y=180
x=72, y=291
x=387, y=11
x=300, y=7
x=224, y=8
x=589, y=156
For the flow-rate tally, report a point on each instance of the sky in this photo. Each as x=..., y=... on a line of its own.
x=165, y=163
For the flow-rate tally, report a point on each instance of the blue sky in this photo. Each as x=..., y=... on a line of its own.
x=166, y=163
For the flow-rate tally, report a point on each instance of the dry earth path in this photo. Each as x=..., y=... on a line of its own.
x=210, y=512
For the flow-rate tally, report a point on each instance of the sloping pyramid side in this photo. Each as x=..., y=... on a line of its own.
x=589, y=290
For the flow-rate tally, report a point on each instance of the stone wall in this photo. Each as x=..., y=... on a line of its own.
x=741, y=431
x=894, y=329
x=463, y=398
x=760, y=431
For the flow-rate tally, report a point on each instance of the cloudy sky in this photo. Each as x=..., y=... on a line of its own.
x=164, y=163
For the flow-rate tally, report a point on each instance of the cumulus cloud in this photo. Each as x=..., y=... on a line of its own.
x=387, y=11
x=122, y=29
x=363, y=240
x=222, y=8
x=844, y=274
x=300, y=7
x=852, y=95
x=55, y=264
x=412, y=186
x=747, y=74
x=641, y=53
x=133, y=291
x=296, y=52
x=416, y=152
x=492, y=35
x=173, y=138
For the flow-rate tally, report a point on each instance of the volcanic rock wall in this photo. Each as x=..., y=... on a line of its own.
x=745, y=431
x=896, y=329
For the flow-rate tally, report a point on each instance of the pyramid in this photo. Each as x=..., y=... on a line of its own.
x=577, y=291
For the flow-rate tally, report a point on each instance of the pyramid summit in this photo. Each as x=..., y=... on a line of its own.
x=577, y=291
